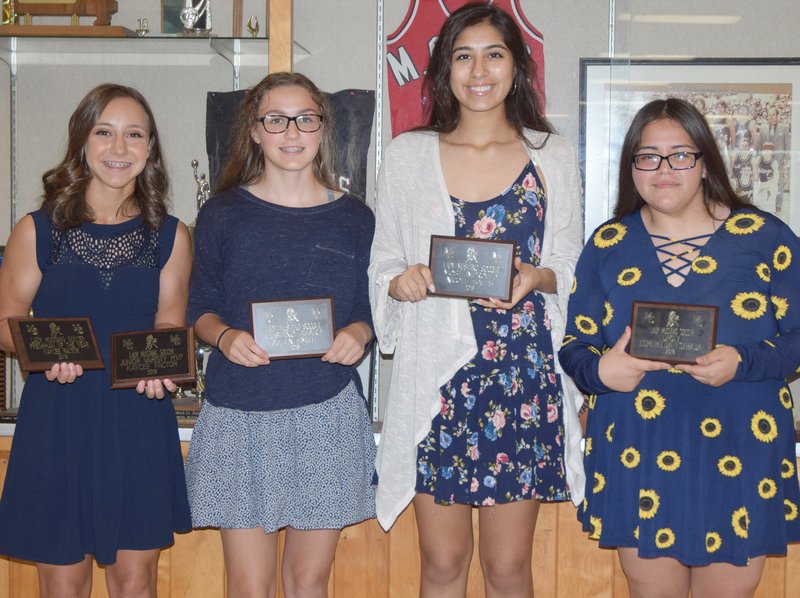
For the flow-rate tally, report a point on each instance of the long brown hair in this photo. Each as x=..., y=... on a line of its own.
x=716, y=186
x=523, y=109
x=245, y=163
x=65, y=185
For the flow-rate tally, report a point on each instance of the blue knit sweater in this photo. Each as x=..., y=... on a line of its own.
x=247, y=249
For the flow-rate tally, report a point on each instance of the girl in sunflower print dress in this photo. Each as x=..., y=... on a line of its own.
x=690, y=469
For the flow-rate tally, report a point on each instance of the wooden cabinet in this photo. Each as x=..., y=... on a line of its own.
x=372, y=564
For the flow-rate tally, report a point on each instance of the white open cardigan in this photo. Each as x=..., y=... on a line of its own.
x=432, y=339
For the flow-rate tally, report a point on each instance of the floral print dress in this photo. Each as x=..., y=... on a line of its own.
x=498, y=435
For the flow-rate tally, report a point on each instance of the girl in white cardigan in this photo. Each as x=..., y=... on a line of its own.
x=479, y=414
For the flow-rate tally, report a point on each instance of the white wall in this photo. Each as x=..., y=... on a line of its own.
x=340, y=36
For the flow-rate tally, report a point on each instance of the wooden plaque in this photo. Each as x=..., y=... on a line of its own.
x=41, y=342
x=292, y=328
x=672, y=332
x=472, y=268
x=152, y=354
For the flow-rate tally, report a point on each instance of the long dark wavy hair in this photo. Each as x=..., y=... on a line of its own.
x=65, y=185
x=523, y=109
x=716, y=186
x=245, y=163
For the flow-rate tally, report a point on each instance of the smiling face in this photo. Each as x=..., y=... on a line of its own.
x=481, y=69
x=291, y=150
x=118, y=147
x=669, y=191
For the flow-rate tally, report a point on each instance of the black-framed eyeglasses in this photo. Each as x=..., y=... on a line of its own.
x=278, y=123
x=676, y=161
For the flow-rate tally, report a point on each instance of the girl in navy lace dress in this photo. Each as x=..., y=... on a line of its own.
x=95, y=473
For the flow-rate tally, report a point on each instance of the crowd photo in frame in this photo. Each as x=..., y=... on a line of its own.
x=747, y=102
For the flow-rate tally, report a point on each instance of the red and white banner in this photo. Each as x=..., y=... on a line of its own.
x=409, y=50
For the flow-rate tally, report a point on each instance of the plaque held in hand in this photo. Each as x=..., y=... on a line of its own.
x=472, y=268
x=292, y=328
x=152, y=354
x=672, y=332
x=41, y=342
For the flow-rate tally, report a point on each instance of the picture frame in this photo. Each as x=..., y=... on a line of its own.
x=612, y=91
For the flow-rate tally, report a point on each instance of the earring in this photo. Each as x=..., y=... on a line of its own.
x=513, y=88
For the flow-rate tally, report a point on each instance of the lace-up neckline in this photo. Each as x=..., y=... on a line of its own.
x=676, y=255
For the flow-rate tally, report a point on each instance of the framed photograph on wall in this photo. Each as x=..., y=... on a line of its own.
x=748, y=104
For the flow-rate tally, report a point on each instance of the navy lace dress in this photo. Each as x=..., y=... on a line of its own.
x=498, y=436
x=94, y=470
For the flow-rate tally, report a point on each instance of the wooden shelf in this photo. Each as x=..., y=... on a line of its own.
x=65, y=31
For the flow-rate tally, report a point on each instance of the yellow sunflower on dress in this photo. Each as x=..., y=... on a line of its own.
x=749, y=306
x=789, y=510
x=649, y=502
x=711, y=427
x=767, y=488
x=787, y=469
x=668, y=460
x=704, y=264
x=781, y=305
x=782, y=257
x=649, y=403
x=608, y=313
x=599, y=482
x=763, y=426
x=609, y=235
x=629, y=276
x=587, y=449
x=729, y=466
x=713, y=542
x=592, y=401
x=574, y=286
x=596, y=528
x=630, y=457
x=636, y=532
x=610, y=432
x=785, y=396
x=740, y=520
x=665, y=538
x=764, y=272
x=744, y=224
x=585, y=324
x=594, y=350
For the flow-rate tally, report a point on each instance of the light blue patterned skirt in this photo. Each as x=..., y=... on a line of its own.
x=306, y=468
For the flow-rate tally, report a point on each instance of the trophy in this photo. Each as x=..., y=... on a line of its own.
x=196, y=18
x=252, y=25
x=203, y=188
x=202, y=352
x=8, y=15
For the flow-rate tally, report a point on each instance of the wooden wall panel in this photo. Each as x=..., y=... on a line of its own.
x=372, y=564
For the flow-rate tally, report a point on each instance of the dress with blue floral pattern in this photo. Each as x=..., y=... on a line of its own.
x=498, y=435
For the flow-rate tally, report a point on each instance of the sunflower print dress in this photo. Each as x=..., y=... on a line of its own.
x=677, y=468
x=498, y=436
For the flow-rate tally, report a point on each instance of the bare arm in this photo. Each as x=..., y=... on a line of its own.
x=19, y=277
x=236, y=345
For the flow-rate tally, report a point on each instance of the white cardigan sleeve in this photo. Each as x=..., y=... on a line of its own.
x=386, y=262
